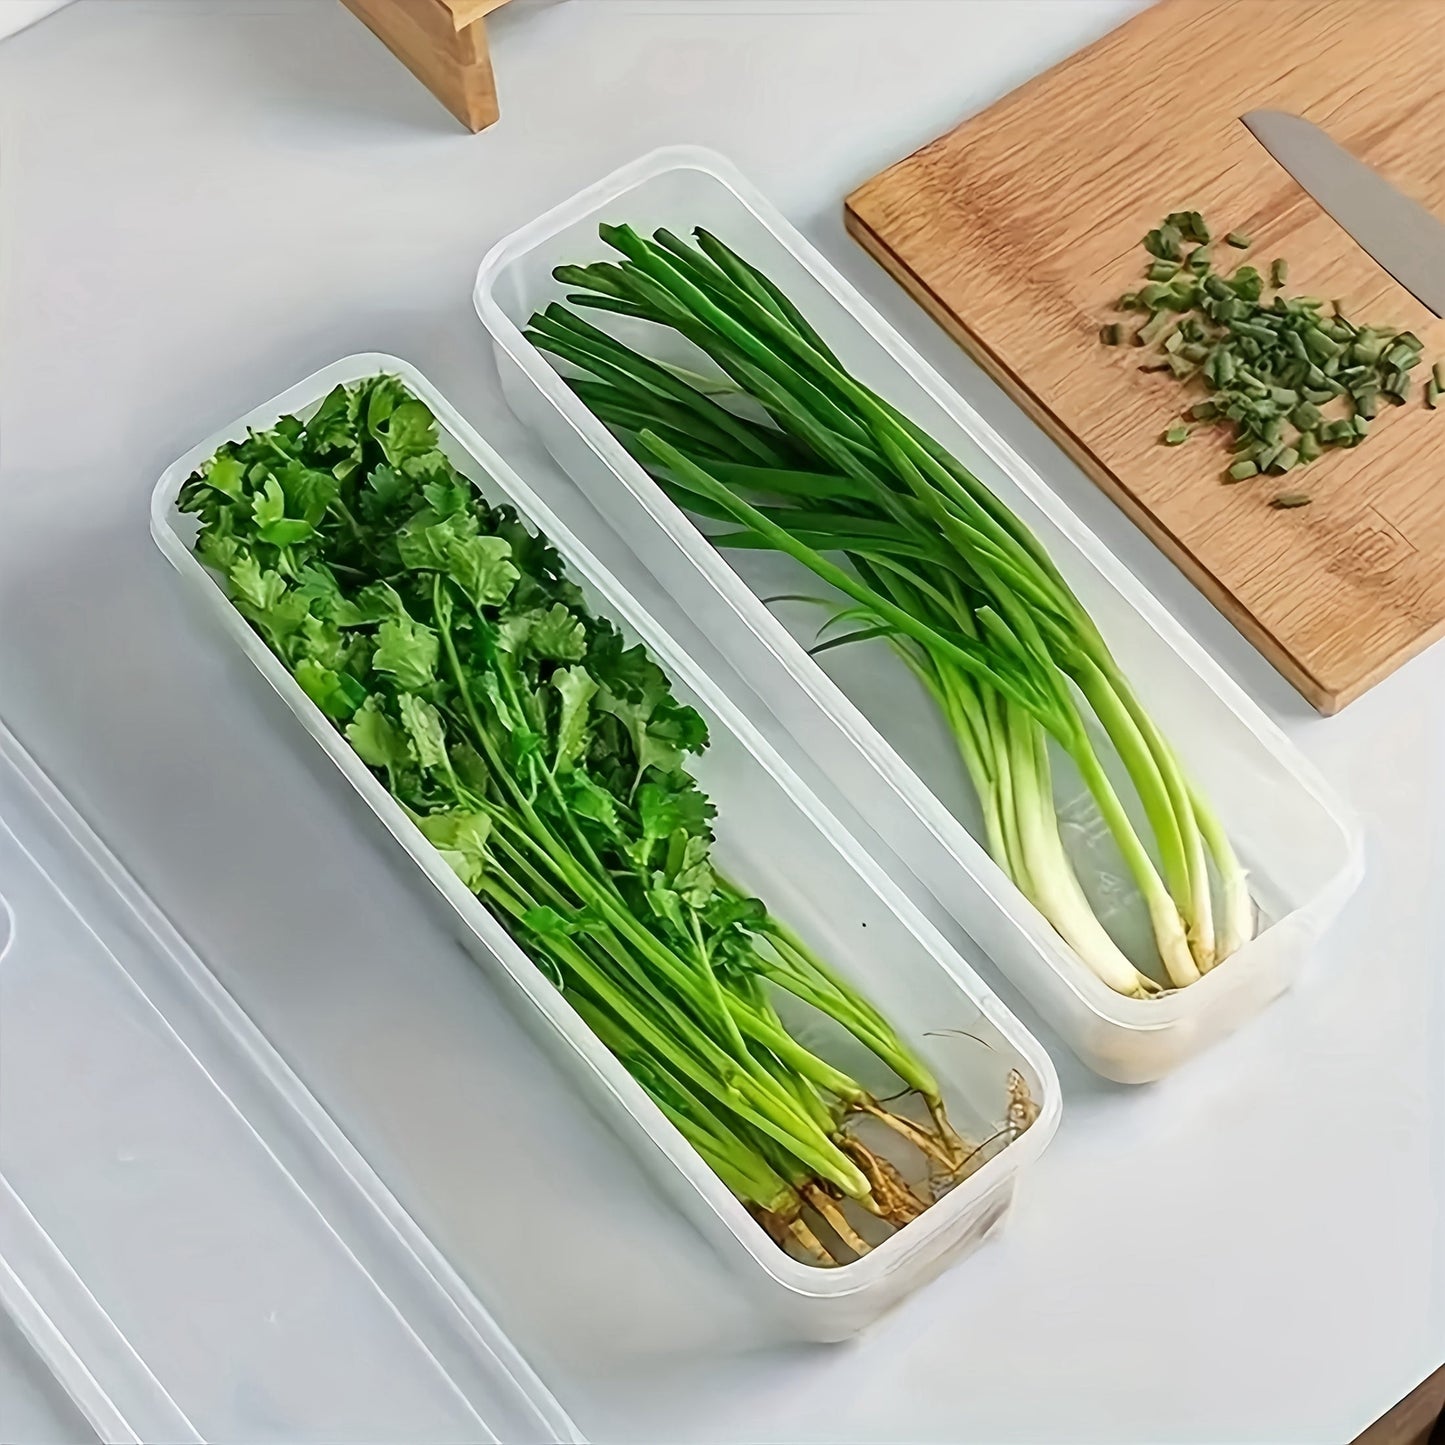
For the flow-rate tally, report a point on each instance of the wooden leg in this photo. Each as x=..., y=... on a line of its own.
x=452, y=61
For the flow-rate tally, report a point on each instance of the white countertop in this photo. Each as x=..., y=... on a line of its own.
x=202, y=202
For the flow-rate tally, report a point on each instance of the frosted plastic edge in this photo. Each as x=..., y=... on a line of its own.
x=156, y=1416
x=482, y=1330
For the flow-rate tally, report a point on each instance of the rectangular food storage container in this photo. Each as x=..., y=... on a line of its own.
x=858, y=718
x=773, y=836
x=187, y=1239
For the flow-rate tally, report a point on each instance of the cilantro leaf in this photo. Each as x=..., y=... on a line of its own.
x=589, y=800
x=648, y=750
x=677, y=724
x=338, y=695
x=666, y=807
x=335, y=427
x=376, y=741
x=251, y=585
x=225, y=474
x=385, y=490
x=461, y=839
x=374, y=603
x=482, y=568
x=280, y=620
x=577, y=688
x=424, y=728
x=321, y=641
x=471, y=768
x=432, y=468
x=409, y=431
x=666, y=904
x=692, y=877
x=447, y=498
x=308, y=492
x=262, y=597
x=724, y=912
x=555, y=634
x=492, y=690
x=268, y=506
x=480, y=565
x=318, y=585
x=558, y=634
x=630, y=675
x=381, y=396
x=408, y=650
x=218, y=550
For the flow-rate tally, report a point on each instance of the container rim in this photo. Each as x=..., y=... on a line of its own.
x=1136, y=1015
x=798, y=1278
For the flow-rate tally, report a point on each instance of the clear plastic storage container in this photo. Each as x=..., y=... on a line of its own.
x=773, y=836
x=186, y=1238
x=858, y=718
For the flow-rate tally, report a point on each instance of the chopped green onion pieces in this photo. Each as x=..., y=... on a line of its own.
x=1154, y=329
x=1288, y=500
x=1243, y=470
x=1272, y=364
x=1164, y=242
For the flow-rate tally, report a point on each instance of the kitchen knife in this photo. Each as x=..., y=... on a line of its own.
x=1399, y=233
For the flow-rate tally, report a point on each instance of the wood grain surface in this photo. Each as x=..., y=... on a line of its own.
x=1019, y=230
x=444, y=44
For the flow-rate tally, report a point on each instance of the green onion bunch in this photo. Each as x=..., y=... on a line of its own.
x=797, y=456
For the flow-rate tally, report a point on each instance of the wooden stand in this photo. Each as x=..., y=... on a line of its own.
x=444, y=44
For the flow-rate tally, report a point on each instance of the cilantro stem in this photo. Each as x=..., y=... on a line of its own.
x=543, y=759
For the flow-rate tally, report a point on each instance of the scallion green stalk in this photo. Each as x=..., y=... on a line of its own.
x=930, y=561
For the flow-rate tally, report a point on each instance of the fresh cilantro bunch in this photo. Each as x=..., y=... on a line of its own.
x=544, y=759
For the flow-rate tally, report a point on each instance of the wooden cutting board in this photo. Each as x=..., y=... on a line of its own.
x=1020, y=229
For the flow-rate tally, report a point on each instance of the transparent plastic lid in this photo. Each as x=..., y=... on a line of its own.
x=186, y=1238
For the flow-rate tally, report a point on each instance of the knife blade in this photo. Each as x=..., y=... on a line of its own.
x=1397, y=232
